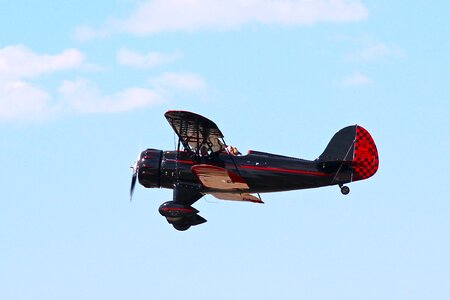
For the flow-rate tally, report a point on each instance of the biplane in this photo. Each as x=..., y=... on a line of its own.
x=203, y=164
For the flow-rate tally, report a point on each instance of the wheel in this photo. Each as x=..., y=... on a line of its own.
x=181, y=227
x=345, y=190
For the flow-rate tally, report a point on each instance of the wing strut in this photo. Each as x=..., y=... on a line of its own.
x=237, y=169
x=232, y=159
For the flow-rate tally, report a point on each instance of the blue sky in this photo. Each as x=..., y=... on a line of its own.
x=84, y=86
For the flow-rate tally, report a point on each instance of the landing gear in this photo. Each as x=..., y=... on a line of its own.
x=181, y=216
x=181, y=227
x=345, y=190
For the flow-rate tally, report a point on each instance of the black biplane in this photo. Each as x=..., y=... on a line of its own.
x=207, y=166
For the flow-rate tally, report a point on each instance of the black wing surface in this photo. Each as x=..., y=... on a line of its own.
x=198, y=134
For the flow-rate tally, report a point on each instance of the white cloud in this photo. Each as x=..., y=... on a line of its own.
x=84, y=33
x=132, y=58
x=83, y=97
x=356, y=79
x=21, y=101
x=180, y=81
x=18, y=61
x=376, y=51
x=155, y=16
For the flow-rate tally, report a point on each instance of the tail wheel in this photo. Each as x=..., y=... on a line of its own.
x=345, y=190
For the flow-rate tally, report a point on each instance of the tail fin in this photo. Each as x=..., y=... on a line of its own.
x=352, y=146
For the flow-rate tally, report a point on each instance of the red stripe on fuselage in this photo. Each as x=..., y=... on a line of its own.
x=303, y=172
x=272, y=169
x=189, y=162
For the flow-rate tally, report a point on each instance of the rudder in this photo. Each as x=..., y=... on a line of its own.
x=353, y=147
x=365, y=156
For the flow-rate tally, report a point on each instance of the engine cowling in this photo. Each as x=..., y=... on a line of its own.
x=150, y=168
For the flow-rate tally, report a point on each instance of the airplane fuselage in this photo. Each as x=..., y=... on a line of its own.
x=263, y=172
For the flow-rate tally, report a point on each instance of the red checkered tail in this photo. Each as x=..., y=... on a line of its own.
x=353, y=150
x=365, y=155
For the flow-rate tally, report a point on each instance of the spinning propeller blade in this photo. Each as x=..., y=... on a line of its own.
x=133, y=183
x=135, y=169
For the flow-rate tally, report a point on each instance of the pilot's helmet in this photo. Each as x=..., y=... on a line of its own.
x=231, y=149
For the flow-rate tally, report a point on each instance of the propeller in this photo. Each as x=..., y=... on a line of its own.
x=135, y=169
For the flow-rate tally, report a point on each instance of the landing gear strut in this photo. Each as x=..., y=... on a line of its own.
x=345, y=190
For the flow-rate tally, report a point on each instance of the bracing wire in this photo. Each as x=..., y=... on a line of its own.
x=345, y=157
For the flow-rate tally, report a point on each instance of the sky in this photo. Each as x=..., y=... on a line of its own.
x=84, y=86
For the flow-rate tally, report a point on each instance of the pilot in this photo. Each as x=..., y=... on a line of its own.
x=204, y=151
x=233, y=150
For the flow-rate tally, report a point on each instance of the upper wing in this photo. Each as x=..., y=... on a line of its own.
x=198, y=134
